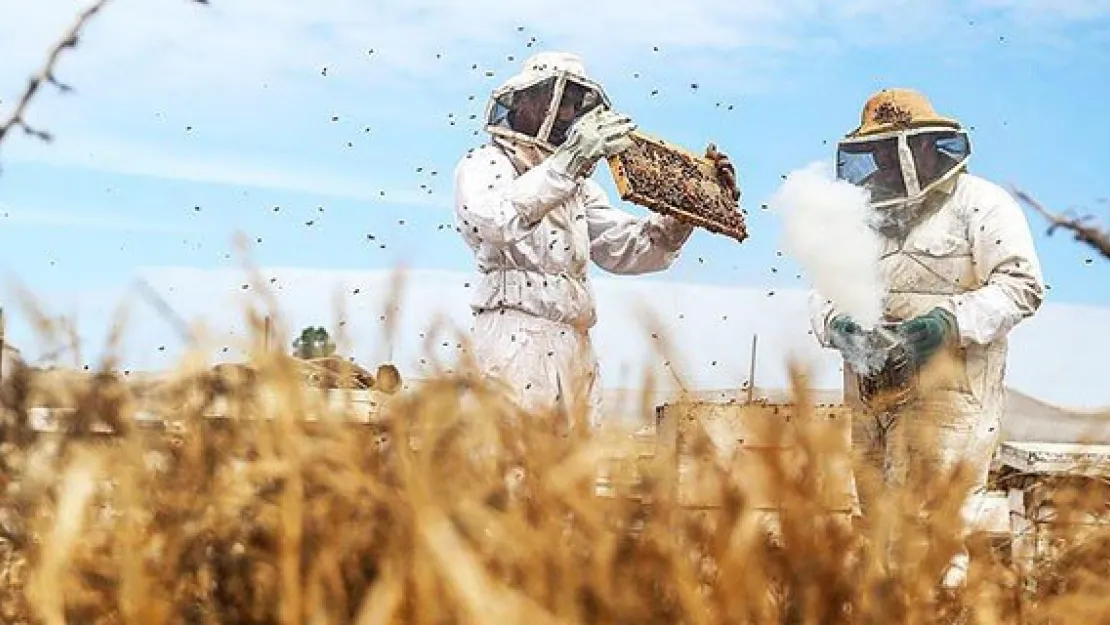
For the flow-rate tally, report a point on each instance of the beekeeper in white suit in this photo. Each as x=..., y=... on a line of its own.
x=526, y=206
x=961, y=272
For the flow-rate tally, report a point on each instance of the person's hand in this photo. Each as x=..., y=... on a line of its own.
x=615, y=130
x=726, y=172
x=845, y=334
x=597, y=134
x=927, y=334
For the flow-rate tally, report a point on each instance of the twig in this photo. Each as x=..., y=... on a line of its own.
x=1087, y=234
x=17, y=118
x=46, y=74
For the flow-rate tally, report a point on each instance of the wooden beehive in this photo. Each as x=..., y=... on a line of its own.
x=748, y=439
x=1039, y=473
x=672, y=180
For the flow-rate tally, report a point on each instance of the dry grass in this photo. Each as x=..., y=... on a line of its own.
x=455, y=507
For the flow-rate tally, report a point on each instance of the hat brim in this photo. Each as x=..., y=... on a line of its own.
x=865, y=130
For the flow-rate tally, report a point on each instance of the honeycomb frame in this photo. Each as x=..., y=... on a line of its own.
x=639, y=184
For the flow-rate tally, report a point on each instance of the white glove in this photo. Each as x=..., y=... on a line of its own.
x=599, y=133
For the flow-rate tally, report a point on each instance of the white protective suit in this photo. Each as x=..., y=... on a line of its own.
x=534, y=230
x=975, y=258
x=951, y=240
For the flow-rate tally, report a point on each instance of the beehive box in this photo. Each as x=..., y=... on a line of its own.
x=1040, y=533
x=1035, y=458
x=672, y=180
x=621, y=469
x=748, y=439
x=353, y=405
x=1038, y=527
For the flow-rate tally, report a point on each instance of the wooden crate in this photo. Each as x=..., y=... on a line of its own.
x=672, y=180
x=1034, y=458
x=748, y=440
x=1037, y=527
x=622, y=469
x=355, y=407
x=1041, y=533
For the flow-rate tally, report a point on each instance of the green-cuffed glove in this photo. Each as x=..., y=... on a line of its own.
x=926, y=334
x=865, y=351
x=844, y=333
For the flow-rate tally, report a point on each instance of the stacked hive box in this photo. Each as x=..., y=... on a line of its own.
x=1058, y=495
x=751, y=442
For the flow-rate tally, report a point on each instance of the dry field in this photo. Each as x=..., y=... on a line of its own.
x=450, y=506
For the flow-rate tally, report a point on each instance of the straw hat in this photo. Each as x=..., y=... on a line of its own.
x=898, y=109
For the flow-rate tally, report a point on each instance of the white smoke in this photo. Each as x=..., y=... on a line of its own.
x=826, y=230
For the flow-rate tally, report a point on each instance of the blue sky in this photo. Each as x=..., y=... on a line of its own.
x=327, y=132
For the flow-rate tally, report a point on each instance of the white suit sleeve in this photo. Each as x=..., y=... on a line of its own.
x=1006, y=265
x=623, y=243
x=821, y=312
x=495, y=206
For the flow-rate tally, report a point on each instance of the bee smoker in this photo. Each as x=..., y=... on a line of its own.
x=893, y=383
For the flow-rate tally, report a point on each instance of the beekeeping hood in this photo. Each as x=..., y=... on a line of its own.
x=538, y=106
x=902, y=149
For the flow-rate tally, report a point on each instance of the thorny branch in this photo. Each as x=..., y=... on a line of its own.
x=46, y=75
x=1084, y=233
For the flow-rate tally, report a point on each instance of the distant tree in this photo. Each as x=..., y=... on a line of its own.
x=314, y=342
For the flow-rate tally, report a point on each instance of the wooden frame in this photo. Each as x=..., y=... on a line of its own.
x=633, y=184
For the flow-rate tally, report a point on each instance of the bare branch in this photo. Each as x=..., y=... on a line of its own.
x=46, y=75
x=1087, y=234
x=18, y=119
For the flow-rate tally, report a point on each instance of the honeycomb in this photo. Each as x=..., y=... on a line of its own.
x=671, y=180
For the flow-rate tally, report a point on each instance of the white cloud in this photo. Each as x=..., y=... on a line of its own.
x=250, y=70
x=143, y=158
x=712, y=326
x=214, y=54
x=1031, y=11
x=88, y=220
